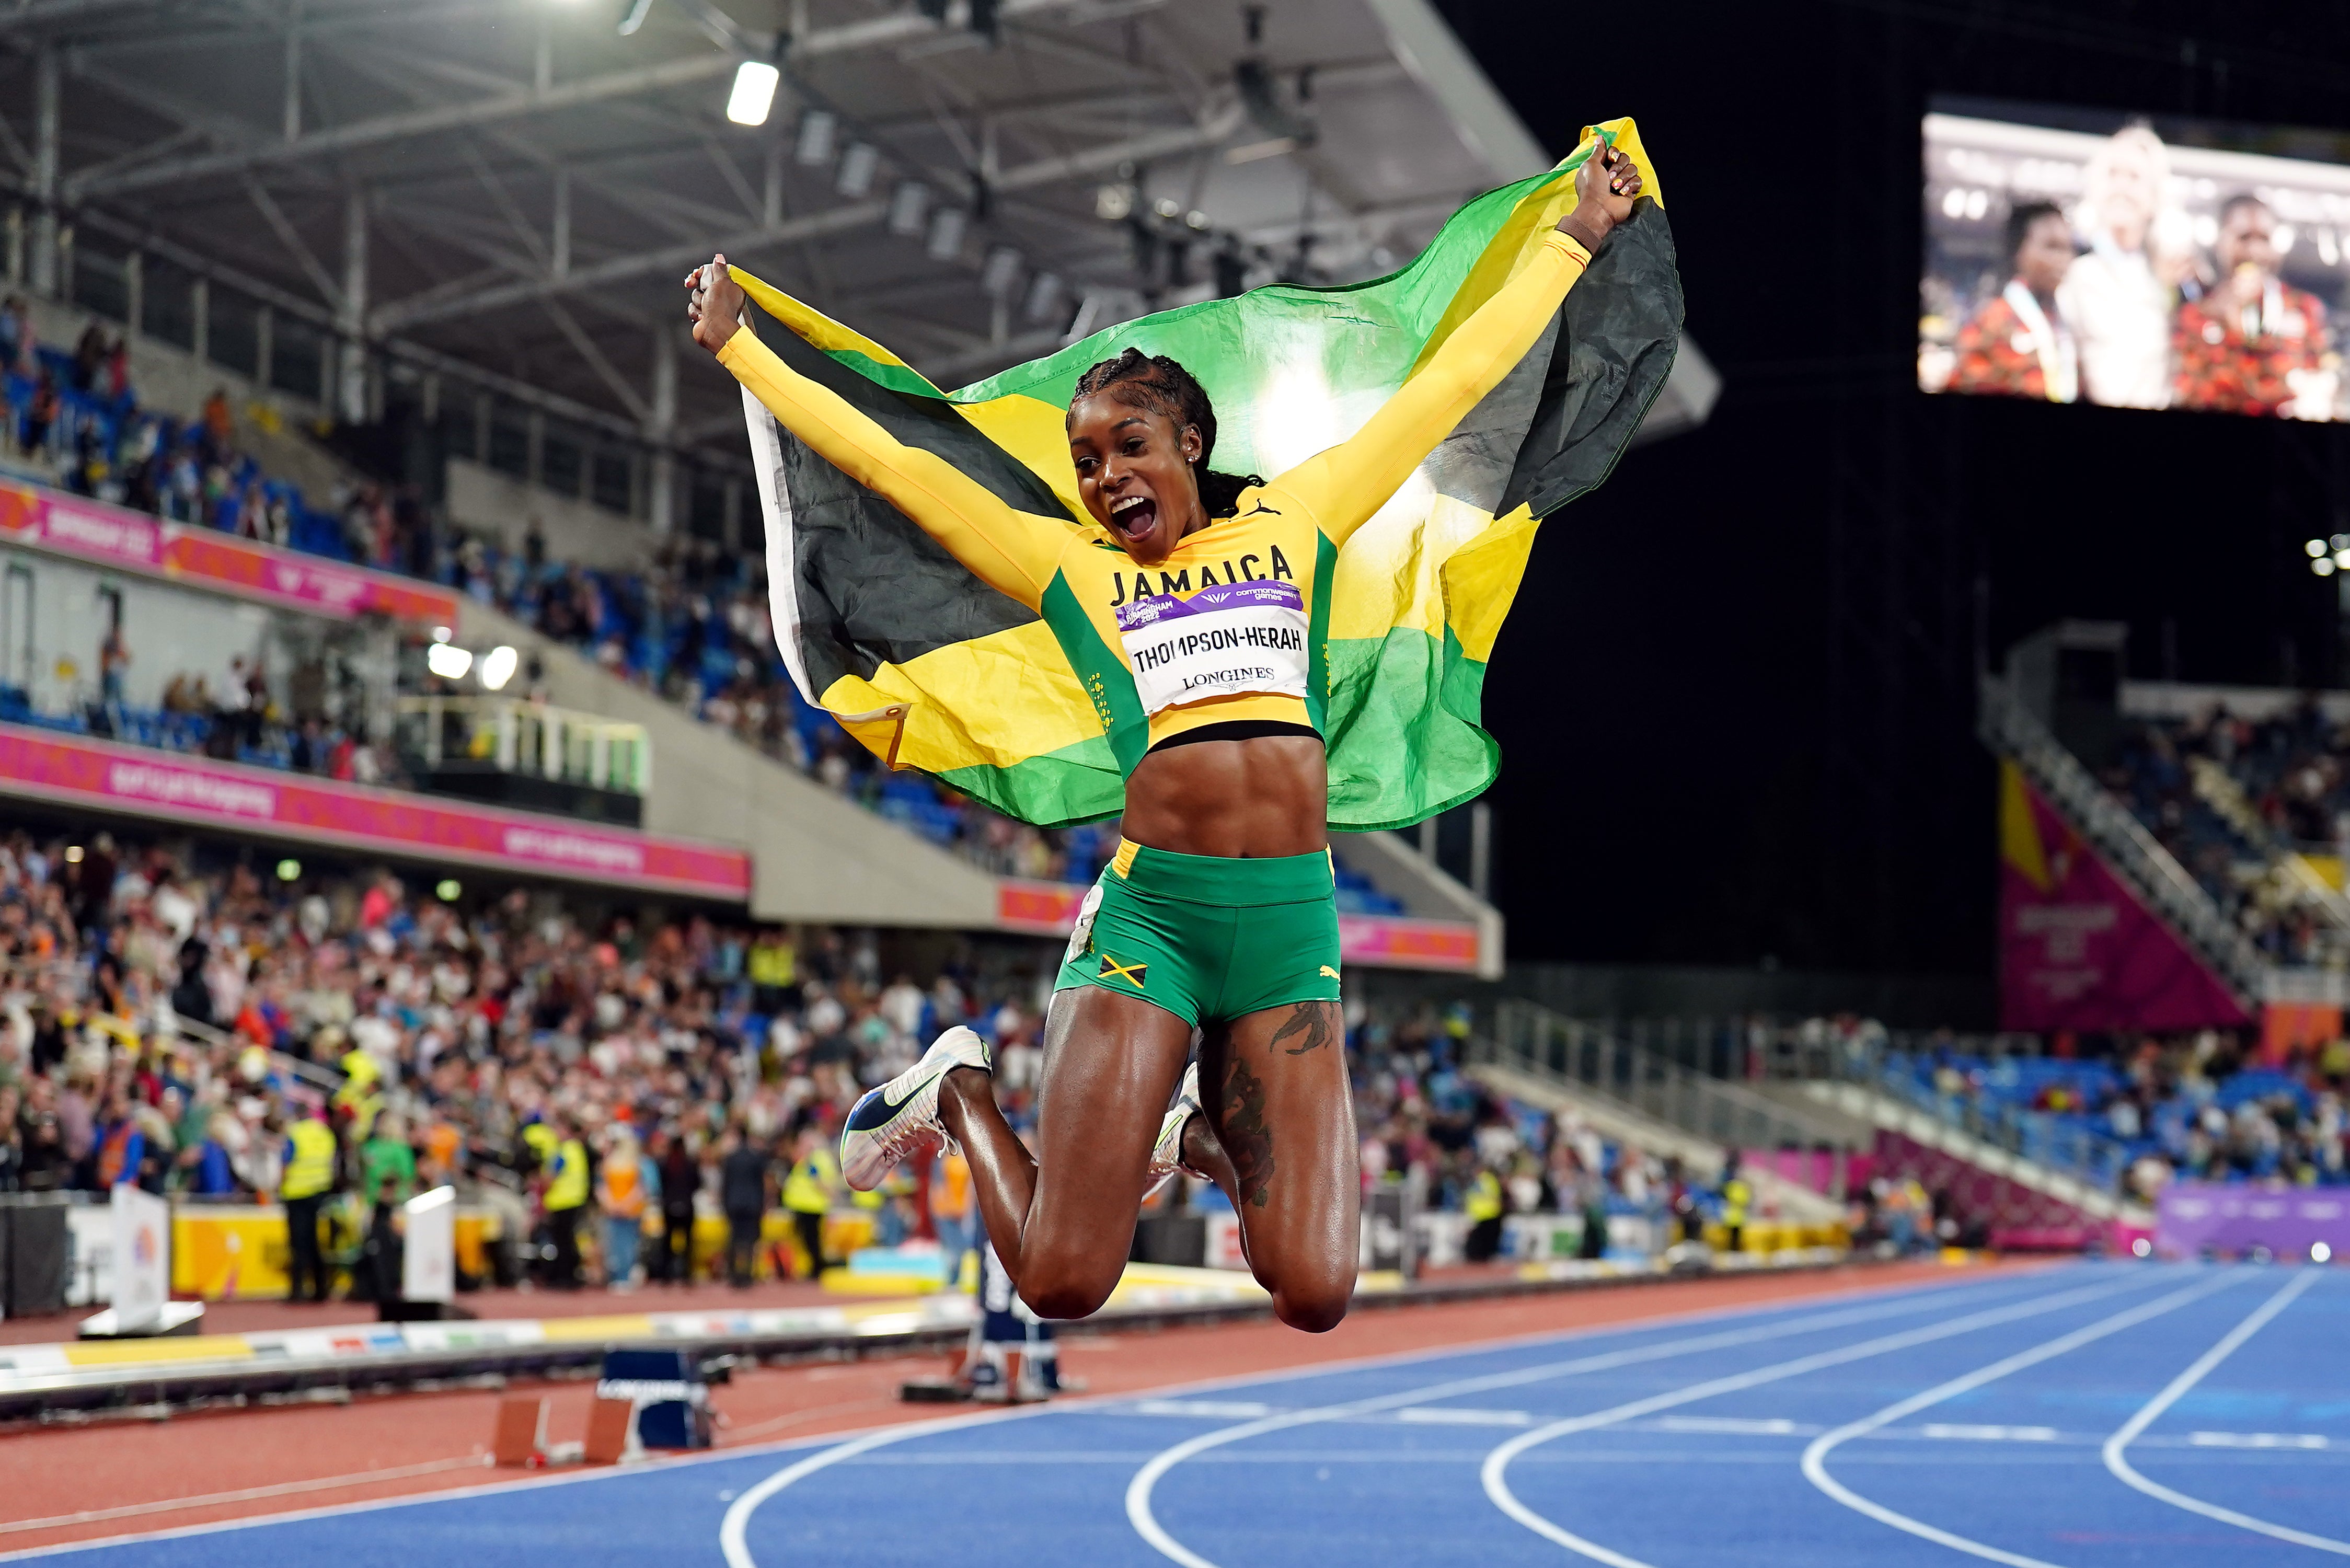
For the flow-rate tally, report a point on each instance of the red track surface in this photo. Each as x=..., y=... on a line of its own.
x=55, y=1473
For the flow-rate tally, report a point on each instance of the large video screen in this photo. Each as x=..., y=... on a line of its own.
x=2083, y=257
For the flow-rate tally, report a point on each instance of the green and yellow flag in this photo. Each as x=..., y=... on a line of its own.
x=932, y=669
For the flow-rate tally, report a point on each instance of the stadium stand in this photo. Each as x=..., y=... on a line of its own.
x=167, y=1003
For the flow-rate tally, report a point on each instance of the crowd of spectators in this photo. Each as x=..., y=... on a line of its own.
x=2231, y=798
x=163, y=1023
x=2200, y=1107
x=165, y=1017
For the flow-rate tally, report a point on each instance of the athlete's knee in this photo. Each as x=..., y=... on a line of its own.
x=1314, y=1299
x=1064, y=1286
x=1315, y=1309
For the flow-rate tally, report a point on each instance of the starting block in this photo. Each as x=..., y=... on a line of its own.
x=644, y=1399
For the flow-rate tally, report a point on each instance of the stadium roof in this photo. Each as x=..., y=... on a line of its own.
x=509, y=189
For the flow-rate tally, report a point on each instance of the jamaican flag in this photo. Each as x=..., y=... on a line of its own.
x=932, y=669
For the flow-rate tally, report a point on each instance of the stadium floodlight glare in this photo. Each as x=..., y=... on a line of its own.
x=449, y=891
x=2322, y=566
x=2319, y=1252
x=2341, y=559
x=854, y=178
x=754, y=94
x=498, y=667
x=2316, y=548
x=2141, y=1248
x=447, y=660
x=289, y=871
x=2340, y=541
x=819, y=132
x=909, y=204
x=946, y=232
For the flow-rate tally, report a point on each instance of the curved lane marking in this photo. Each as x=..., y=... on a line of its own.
x=1140, y=1514
x=1816, y=1469
x=1494, y=1474
x=2117, y=1459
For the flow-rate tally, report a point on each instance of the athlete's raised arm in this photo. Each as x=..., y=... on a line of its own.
x=1347, y=483
x=1014, y=551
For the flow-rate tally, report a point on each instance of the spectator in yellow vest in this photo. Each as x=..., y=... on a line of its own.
x=808, y=1192
x=308, y=1182
x=566, y=1199
x=1485, y=1207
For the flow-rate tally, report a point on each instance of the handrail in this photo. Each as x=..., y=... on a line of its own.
x=1597, y=1057
x=1530, y=1036
x=2007, y=729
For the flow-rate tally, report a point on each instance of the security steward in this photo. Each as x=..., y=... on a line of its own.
x=1737, y=1197
x=565, y=1202
x=1484, y=1206
x=807, y=1193
x=308, y=1182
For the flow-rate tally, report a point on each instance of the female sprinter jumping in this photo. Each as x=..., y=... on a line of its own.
x=1196, y=601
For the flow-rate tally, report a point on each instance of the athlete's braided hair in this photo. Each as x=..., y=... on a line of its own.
x=1158, y=385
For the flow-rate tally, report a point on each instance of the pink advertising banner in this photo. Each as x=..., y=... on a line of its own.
x=67, y=769
x=2077, y=948
x=116, y=536
x=1375, y=942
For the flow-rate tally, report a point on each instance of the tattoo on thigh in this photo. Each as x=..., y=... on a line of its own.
x=1309, y=1019
x=1247, y=1140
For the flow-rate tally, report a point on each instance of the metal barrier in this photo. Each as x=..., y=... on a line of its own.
x=1600, y=1058
x=1614, y=1058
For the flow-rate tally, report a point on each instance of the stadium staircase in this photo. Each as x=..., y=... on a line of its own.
x=2108, y=827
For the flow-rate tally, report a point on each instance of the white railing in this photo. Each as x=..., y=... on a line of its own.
x=516, y=735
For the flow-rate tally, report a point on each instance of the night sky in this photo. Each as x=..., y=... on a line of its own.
x=1672, y=789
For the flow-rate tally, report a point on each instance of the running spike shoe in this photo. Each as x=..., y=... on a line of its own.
x=1166, y=1154
x=900, y=1118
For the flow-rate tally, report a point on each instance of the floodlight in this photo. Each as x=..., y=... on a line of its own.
x=449, y=891
x=498, y=667
x=289, y=871
x=818, y=133
x=1001, y=272
x=2322, y=566
x=854, y=179
x=754, y=94
x=2316, y=548
x=2319, y=1252
x=908, y=205
x=447, y=660
x=946, y=232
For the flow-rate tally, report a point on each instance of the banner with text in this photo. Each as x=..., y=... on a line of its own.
x=2077, y=950
x=117, y=536
x=57, y=769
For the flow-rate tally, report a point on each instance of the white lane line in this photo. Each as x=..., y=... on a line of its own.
x=1453, y=1416
x=734, y=1529
x=1137, y=1492
x=1816, y=1469
x=1495, y=1471
x=2257, y=1440
x=1966, y=1433
x=2117, y=1458
x=731, y=1530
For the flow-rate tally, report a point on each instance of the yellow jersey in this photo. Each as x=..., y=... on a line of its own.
x=1233, y=625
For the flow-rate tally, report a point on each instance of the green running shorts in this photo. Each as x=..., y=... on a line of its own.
x=1209, y=940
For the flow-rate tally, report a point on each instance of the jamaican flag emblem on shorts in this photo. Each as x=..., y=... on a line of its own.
x=1115, y=974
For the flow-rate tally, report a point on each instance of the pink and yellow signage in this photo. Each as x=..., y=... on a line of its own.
x=1375, y=942
x=205, y=557
x=70, y=769
x=2077, y=948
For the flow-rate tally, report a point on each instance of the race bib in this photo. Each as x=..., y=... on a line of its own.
x=1230, y=639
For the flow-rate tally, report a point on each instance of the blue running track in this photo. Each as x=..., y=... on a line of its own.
x=2086, y=1416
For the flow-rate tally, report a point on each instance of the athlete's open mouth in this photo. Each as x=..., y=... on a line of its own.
x=1131, y=516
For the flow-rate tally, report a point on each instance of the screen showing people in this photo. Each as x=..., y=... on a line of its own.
x=2080, y=256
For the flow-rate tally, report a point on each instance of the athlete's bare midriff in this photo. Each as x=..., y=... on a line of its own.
x=1251, y=799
